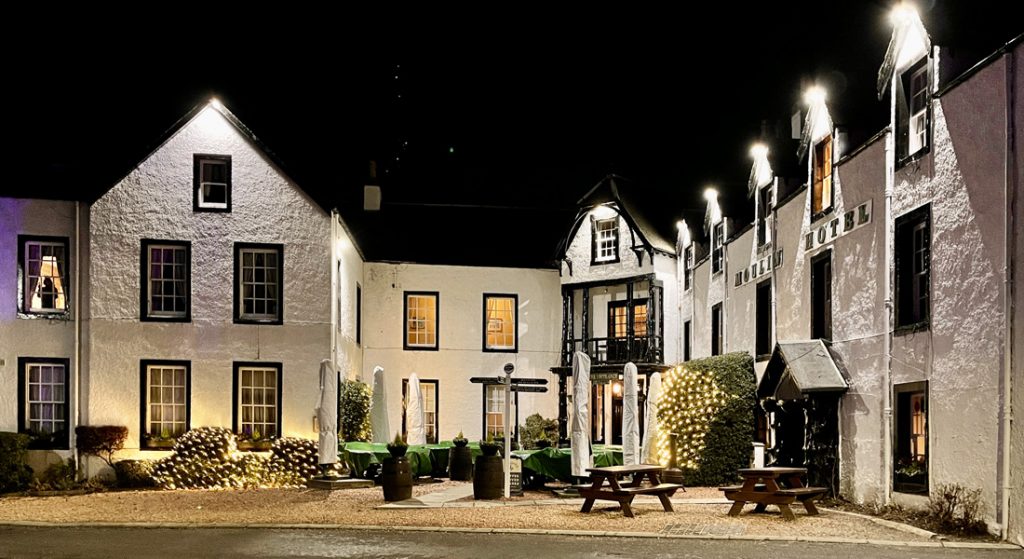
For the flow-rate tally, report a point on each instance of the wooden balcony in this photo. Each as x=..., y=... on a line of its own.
x=616, y=351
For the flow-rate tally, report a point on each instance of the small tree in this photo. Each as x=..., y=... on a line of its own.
x=101, y=441
x=354, y=411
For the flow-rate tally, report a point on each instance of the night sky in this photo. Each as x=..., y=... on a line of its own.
x=487, y=127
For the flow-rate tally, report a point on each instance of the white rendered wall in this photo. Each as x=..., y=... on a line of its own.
x=1016, y=528
x=665, y=271
x=460, y=355
x=579, y=252
x=741, y=304
x=155, y=201
x=349, y=358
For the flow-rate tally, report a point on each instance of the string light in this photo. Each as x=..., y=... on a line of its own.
x=689, y=401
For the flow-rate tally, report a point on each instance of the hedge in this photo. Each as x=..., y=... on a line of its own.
x=101, y=441
x=354, y=411
x=14, y=472
x=709, y=403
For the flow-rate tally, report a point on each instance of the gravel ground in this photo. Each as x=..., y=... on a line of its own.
x=358, y=507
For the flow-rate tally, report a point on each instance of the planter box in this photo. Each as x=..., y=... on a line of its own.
x=158, y=444
x=255, y=446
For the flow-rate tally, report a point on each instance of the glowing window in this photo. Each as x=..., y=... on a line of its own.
x=212, y=182
x=500, y=316
x=821, y=193
x=44, y=269
x=421, y=320
x=606, y=240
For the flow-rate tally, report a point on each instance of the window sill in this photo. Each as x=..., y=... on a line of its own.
x=603, y=262
x=762, y=357
x=186, y=318
x=161, y=445
x=62, y=315
x=266, y=322
x=910, y=329
x=917, y=156
x=501, y=350
x=200, y=209
x=815, y=218
x=419, y=348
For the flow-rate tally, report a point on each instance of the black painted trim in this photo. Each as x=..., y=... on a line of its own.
x=437, y=407
x=515, y=337
x=359, y=314
x=236, y=367
x=237, y=305
x=196, y=178
x=405, y=321
x=64, y=441
x=20, y=291
x=593, y=241
x=144, y=281
x=901, y=224
x=144, y=395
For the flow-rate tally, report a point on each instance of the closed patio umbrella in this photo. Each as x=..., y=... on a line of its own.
x=414, y=413
x=327, y=414
x=630, y=417
x=381, y=428
x=581, y=457
x=650, y=445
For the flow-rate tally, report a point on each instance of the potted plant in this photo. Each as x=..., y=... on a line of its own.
x=163, y=440
x=541, y=443
x=488, y=473
x=460, y=459
x=397, y=447
x=460, y=440
x=253, y=441
x=489, y=447
x=396, y=475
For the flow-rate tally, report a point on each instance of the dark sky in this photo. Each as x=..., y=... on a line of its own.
x=523, y=109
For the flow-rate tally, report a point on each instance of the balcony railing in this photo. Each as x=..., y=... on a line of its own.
x=638, y=349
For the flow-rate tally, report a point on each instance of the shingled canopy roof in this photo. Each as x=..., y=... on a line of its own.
x=797, y=369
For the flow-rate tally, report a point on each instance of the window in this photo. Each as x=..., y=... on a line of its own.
x=912, y=111
x=911, y=459
x=211, y=183
x=763, y=325
x=421, y=320
x=43, y=395
x=687, y=268
x=501, y=322
x=764, y=210
x=821, y=194
x=821, y=296
x=165, y=402
x=166, y=277
x=717, y=247
x=257, y=401
x=259, y=277
x=494, y=409
x=687, y=339
x=913, y=264
x=606, y=240
x=359, y=314
x=428, y=395
x=619, y=317
x=716, y=329
x=44, y=272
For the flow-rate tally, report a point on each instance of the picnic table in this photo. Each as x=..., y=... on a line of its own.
x=605, y=485
x=762, y=487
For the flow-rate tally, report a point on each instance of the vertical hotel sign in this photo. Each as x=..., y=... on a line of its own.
x=837, y=227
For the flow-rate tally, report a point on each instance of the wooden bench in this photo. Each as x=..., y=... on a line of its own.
x=761, y=487
x=606, y=487
x=806, y=496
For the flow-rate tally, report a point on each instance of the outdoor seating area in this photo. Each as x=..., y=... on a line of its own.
x=605, y=485
x=761, y=486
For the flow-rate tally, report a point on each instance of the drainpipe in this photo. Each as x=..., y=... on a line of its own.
x=77, y=295
x=333, y=261
x=1009, y=227
x=725, y=284
x=890, y=180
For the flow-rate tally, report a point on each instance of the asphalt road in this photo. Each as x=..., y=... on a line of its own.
x=254, y=543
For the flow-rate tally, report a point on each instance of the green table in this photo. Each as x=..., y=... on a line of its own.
x=424, y=460
x=557, y=462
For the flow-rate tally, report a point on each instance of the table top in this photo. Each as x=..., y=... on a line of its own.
x=771, y=471
x=632, y=469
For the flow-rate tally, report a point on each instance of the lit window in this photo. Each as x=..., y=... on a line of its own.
x=44, y=269
x=258, y=414
x=717, y=247
x=764, y=211
x=912, y=111
x=911, y=452
x=44, y=401
x=716, y=329
x=913, y=259
x=494, y=414
x=212, y=182
x=259, y=282
x=500, y=317
x=606, y=240
x=821, y=200
x=166, y=287
x=165, y=403
x=428, y=395
x=421, y=320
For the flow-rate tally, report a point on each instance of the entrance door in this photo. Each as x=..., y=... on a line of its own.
x=597, y=430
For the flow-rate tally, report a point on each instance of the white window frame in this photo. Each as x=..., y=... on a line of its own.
x=56, y=401
x=917, y=135
x=59, y=280
x=718, y=247
x=268, y=400
x=177, y=408
x=184, y=280
x=495, y=321
x=494, y=421
x=419, y=326
x=278, y=283
x=606, y=240
x=201, y=195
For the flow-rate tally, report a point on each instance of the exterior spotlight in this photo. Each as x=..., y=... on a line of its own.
x=814, y=95
x=710, y=194
x=681, y=225
x=215, y=103
x=902, y=13
x=758, y=150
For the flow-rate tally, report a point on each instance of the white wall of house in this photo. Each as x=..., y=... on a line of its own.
x=741, y=304
x=349, y=273
x=155, y=201
x=1016, y=525
x=665, y=272
x=460, y=354
x=579, y=252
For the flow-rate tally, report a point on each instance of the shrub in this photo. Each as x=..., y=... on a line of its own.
x=354, y=411
x=134, y=473
x=293, y=462
x=59, y=476
x=14, y=472
x=101, y=441
x=203, y=458
x=538, y=428
x=709, y=403
x=953, y=508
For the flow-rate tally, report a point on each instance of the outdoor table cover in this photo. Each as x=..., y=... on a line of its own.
x=557, y=462
x=423, y=459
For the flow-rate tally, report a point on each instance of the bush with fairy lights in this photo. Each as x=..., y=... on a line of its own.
x=709, y=404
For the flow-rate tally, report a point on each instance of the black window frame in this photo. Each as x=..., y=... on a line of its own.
x=359, y=314
x=911, y=317
x=828, y=172
x=718, y=248
x=687, y=339
x=144, y=281
x=515, y=325
x=144, y=364
x=764, y=209
x=437, y=407
x=763, y=320
x=236, y=381
x=23, y=309
x=822, y=310
x=405, y=321
x=904, y=98
x=687, y=268
x=237, y=307
x=54, y=441
x=717, y=329
x=197, y=159
x=902, y=428
x=594, y=250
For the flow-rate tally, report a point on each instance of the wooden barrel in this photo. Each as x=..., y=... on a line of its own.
x=396, y=479
x=488, y=478
x=460, y=463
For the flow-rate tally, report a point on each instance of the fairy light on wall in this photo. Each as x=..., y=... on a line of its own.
x=688, y=403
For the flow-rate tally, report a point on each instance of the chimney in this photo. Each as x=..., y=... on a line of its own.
x=371, y=191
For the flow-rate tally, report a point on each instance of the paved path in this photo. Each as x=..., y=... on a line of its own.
x=252, y=543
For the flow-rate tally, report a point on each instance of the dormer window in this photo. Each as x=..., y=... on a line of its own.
x=212, y=183
x=912, y=110
x=764, y=211
x=717, y=247
x=606, y=240
x=821, y=193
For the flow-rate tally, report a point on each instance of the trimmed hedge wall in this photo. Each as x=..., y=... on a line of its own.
x=709, y=403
